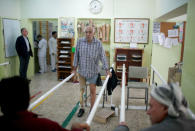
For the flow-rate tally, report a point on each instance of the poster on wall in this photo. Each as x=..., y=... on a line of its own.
x=66, y=26
x=156, y=27
x=156, y=32
x=131, y=30
x=181, y=32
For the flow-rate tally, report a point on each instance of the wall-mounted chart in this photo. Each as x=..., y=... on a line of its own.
x=131, y=30
x=66, y=28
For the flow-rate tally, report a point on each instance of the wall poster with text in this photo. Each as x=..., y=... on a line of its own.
x=66, y=27
x=131, y=30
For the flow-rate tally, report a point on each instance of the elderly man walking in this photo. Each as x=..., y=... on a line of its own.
x=89, y=51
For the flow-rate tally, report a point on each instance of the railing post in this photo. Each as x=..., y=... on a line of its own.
x=122, y=111
x=93, y=110
x=153, y=77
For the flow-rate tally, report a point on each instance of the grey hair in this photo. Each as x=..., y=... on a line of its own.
x=93, y=28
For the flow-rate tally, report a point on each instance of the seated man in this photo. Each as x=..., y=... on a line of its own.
x=14, y=101
x=169, y=110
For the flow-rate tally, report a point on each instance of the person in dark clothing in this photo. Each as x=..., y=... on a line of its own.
x=14, y=102
x=112, y=82
x=24, y=51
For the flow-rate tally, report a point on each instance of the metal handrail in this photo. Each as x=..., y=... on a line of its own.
x=5, y=63
x=122, y=111
x=92, y=113
x=44, y=96
x=158, y=74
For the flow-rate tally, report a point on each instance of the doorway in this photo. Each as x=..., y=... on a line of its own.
x=44, y=28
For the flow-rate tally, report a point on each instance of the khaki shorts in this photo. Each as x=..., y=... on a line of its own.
x=82, y=81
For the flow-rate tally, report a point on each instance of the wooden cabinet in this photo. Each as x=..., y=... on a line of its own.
x=129, y=57
x=65, y=57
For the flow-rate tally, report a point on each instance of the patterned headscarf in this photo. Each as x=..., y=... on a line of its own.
x=172, y=97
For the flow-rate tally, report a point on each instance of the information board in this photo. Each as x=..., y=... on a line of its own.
x=131, y=30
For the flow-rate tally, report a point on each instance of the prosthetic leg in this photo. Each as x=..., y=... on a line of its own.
x=81, y=111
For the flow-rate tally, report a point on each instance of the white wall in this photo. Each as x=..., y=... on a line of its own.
x=80, y=8
x=63, y=8
x=10, y=8
x=178, y=19
x=165, y=6
x=134, y=8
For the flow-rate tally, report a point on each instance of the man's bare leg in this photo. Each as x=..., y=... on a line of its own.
x=92, y=94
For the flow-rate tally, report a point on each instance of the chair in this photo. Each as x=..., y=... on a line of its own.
x=139, y=73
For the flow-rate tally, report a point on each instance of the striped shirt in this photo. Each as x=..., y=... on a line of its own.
x=87, y=57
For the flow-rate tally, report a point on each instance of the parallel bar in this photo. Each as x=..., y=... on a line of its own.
x=48, y=93
x=92, y=113
x=41, y=101
x=6, y=63
x=158, y=74
x=122, y=111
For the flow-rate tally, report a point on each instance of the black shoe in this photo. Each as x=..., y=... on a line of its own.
x=81, y=112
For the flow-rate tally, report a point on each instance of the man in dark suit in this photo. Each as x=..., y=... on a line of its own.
x=24, y=51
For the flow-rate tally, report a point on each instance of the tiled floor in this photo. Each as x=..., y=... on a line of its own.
x=60, y=104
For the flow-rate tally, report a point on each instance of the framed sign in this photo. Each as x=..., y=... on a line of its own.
x=131, y=30
x=66, y=27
